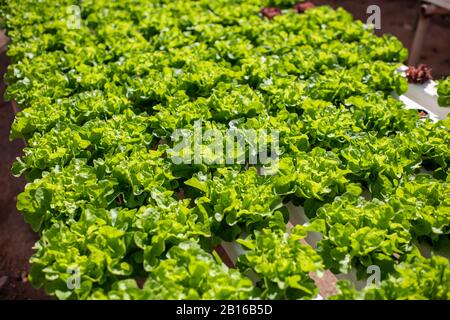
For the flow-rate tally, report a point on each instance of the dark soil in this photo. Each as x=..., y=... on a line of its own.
x=398, y=17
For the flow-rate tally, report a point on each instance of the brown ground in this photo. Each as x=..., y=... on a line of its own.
x=16, y=238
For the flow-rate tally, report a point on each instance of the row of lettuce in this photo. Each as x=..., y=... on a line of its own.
x=118, y=219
